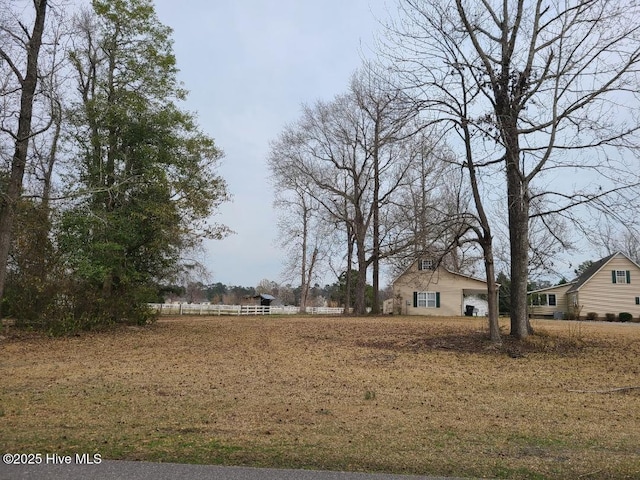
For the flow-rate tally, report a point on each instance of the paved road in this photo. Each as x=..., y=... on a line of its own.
x=116, y=470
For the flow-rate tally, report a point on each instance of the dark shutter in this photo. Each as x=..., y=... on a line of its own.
x=613, y=276
x=420, y=264
x=415, y=299
x=637, y=300
x=628, y=276
x=437, y=299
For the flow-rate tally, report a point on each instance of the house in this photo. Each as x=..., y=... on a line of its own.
x=551, y=301
x=610, y=285
x=426, y=288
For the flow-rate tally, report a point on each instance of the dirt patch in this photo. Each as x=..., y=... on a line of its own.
x=478, y=342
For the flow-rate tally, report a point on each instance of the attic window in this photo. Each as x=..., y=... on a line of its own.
x=621, y=276
x=425, y=264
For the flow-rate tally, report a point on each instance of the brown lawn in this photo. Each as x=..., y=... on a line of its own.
x=393, y=394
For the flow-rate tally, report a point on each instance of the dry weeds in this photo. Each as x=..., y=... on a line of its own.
x=393, y=394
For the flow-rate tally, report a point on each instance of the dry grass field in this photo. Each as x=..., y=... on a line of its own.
x=392, y=394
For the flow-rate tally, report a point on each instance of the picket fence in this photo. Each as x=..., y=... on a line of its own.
x=214, y=309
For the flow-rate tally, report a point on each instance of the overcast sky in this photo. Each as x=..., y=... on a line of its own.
x=249, y=65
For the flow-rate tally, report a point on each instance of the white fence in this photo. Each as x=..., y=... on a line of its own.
x=209, y=309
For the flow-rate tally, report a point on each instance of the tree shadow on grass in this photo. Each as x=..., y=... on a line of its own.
x=478, y=342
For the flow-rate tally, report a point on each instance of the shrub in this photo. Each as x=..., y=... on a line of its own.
x=66, y=307
x=611, y=317
x=625, y=317
x=592, y=316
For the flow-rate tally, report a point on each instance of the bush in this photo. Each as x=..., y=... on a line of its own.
x=611, y=317
x=66, y=307
x=592, y=316
x=625, y=317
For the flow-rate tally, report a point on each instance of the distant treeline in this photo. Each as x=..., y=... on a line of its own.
x=285, y=294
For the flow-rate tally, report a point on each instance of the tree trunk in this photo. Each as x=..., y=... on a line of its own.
x=19, y=161
x=304, y=280
x=307, y=286
x=348, y=287
x=361, y=256
x=518, y=201
x=517, y=206
x=485, y=238
x=360, y=307
x=375, y=307
x=492, y=292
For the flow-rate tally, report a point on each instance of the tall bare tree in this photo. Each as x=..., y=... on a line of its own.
x=388, y=124
x=322, y=153
x=355, y=156
x=302, y=231
x=552, y=91
x=28, y=44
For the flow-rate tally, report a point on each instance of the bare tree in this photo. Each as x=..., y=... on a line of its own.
x=301, y=232
x=319, y=157
x=430, y=207
x=28, y=44
x=478, y=222
x=551, y=91
x=389, y=123
x=448, y=93
x=355, y=156
x=268, y=287
x=612, y=238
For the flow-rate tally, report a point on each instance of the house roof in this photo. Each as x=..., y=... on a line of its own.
x=586, y=275
x=466, y=276
x=445, y=269
x=265, y=296
x=589, y=272
x=593, y=269
x=553, y=287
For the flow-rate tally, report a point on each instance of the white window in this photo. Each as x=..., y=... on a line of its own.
x=427, y=299
x=552, y=299
x=426, y=264
x=621, y=276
